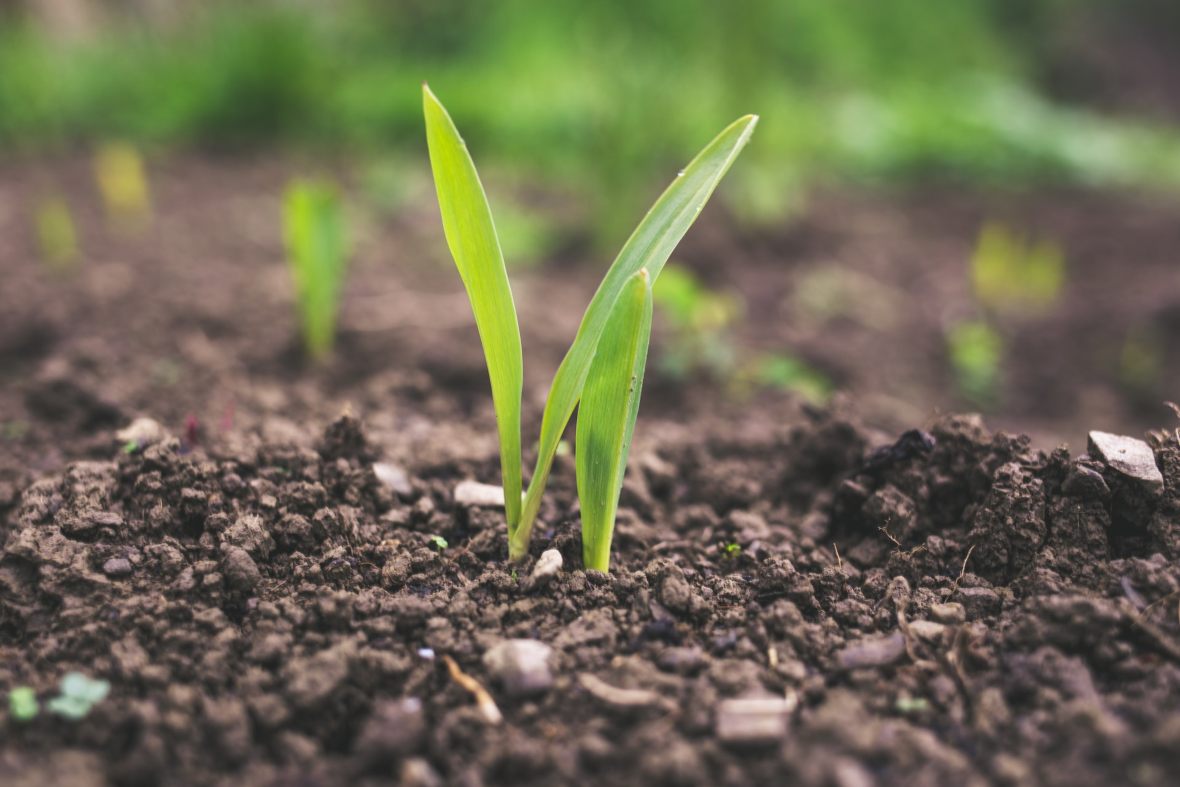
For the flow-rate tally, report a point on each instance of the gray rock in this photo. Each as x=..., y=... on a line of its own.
x=520, y=665
x=394, y=477
x=752, y=720
x=117, y=567
x=872, y=652
x=548, y=564
x=980, y=602
x=473, y=493
x=949, y=613
x=1128, y=457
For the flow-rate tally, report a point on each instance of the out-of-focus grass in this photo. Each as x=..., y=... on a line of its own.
x=586, y=95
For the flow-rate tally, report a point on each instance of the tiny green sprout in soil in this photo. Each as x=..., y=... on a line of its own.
x=22, y=703
x=438, y=542
x=1011, y=272
x=602, y=373
x=57, y=238
x=976, y=352
x=731, y=550
x=122, y=182
x=316, y=239
x=77, y=695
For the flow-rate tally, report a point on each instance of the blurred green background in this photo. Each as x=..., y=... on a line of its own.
x=601, y=98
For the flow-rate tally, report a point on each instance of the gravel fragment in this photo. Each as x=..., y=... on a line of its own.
x=1128, y=457
x=117, y=567
x=752, y=720
x=521, y=666
x=473, y=493
x=872, y=652
x=548, y=564
x=395, y=477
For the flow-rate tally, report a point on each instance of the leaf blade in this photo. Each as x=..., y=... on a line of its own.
x=475, y=247
x=648, y=249
x=606, y=416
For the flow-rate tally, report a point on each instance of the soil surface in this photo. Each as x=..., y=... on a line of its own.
x=824, y=597
x=953, y=607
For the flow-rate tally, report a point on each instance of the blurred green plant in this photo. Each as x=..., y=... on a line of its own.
x=1010, y=272
x=122, y=182
x=57, y=238
x=77, y=696
x=22, y=703
x=699, y=320
x=789, y=373
x=976, y=353
x=1142, y=361
x=317, y=253
x=602, y=373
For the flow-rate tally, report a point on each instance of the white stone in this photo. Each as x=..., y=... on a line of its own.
x=473, y=493
x=520, y=665
x=752, y=720
x=394, y=477
x=548, y=564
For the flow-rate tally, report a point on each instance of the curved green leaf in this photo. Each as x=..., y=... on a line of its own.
x=606, y=416
x=471, y=236
x=647, y=249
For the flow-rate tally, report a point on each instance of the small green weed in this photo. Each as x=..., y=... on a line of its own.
x=317, y=253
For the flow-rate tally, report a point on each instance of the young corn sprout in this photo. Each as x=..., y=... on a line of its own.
x=602, y=373
x=317, y=253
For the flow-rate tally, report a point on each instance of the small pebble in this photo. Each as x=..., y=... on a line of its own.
x=117, y=567
x=548, y=564
x=872, y=652
x=520, y=665
x=393, y=477
x=473, y=493
x=426, y=653
x=752, y=721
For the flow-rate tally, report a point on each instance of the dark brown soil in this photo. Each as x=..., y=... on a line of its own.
x=272, y=614
x=269, y=612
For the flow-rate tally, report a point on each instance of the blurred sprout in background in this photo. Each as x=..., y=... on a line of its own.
x=1013, y=273
x=316, y=237
x=122, y=182
x=57, y=238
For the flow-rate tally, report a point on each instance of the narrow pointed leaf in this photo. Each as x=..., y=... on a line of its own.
x=471, y=236
x=606, y=416
x=647, y=249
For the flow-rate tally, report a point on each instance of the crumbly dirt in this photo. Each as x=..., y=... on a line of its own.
x=954, y=607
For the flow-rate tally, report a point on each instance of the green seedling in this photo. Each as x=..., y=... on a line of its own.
x=77, y=696
x=22, y=703
x=976, y=351
x=57, y=239
x=788, y=373
x=1010, y=272
x=317, y=254
x=122, y=182
x=698, y=320
x=731, y=550
x=438, y=542
x=603, y=368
